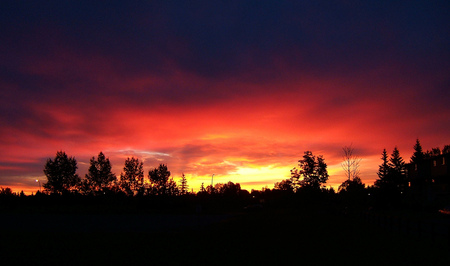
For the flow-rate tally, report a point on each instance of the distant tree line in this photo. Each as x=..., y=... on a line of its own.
x=311, y=176
x=392, y=173
x=391, y=187
x=307, y=178
x=311, y=173
x=63, y=179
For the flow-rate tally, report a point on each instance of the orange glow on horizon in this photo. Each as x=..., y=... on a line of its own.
x=249, y=176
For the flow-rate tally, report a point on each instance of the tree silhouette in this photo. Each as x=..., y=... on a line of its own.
x=160, y=182
x=183, y=185
x=202, y=188
x=228, y=189
x=313, y=170
x=172, y=188
x=6, y=192
x=211, y=190
x=418, y=154
x=446, y=149
x=433, y=152
x=99, y=177
x=218, y=188
x=397, y=169
x=231, y=189
x=350, y=163
x=355, y=185
x=132, y=178
x=383, y=170
x=391, y=173
x=285, y=185
x=61, y=174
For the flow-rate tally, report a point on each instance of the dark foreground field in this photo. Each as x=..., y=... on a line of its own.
x=266, y=237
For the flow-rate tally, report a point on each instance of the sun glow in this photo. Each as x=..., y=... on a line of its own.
x=251, y=176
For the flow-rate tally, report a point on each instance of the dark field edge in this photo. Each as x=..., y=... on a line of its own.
x=279, y=236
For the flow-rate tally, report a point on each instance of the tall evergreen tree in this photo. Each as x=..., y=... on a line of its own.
x=392, y=173
x=183, y=185
x=383, y=170
x=398, y=169
x=418, y=154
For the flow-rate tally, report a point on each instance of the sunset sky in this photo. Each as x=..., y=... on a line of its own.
x=239, y=89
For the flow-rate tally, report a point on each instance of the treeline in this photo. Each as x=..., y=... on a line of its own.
x=394, y=186
x=393, y=177
x=63, y=179
x=308, y=179
x=102, y=191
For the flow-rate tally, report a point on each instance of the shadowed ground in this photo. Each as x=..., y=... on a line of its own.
x=266, y=237
x=105, y=223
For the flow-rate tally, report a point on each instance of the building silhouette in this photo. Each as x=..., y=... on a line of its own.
x=429, y=179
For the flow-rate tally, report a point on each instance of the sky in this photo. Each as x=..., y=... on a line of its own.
x=238, y=89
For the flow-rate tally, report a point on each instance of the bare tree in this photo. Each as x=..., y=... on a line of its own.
x=350, y=163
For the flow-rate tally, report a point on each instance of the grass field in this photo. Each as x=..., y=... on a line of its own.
x=277, y=237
